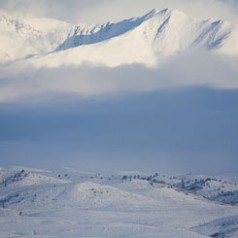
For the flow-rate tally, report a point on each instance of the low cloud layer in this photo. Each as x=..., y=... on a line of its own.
x=180, y=117
x=186, y=70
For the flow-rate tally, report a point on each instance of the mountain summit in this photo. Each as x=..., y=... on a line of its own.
x=147, y=40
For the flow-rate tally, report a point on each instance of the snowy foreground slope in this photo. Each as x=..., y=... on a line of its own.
x=70, y=203
x=148, y=40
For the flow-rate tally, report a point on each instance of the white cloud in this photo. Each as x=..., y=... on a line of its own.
x=188, y=69
x=105, y=10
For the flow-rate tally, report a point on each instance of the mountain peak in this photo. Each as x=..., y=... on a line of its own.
x=157, y=33
x=175, y=13
x=151, y=13
x=155, y=12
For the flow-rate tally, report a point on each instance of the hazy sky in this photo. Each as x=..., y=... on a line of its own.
x=171, y=131
x=94, y=11
x=178, y=118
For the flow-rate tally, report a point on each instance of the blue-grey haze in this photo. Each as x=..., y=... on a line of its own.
x=172, y=131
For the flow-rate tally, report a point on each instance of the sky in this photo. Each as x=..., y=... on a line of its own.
x=179, y=118
x=172, y=131
x=98, y=11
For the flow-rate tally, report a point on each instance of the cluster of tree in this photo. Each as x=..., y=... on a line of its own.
x=193, y=185
x=14, y=178
x=229, y=197
x=65, y=175
x=152, y=178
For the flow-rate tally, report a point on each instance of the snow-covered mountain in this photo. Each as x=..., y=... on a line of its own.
x=22, y=37
x=71, y=203
x=147, y=40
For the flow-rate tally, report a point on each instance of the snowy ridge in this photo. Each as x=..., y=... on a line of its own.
x=91, y=34
x=148, y=40
x=128, y=185
x=67, y=203
x=23, y=37
x=219, y=228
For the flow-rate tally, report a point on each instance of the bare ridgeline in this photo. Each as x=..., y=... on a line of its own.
x=71, y=203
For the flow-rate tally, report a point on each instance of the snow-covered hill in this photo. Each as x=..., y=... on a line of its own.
x=148, y=40
x=23, y=37
x=70, y=203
